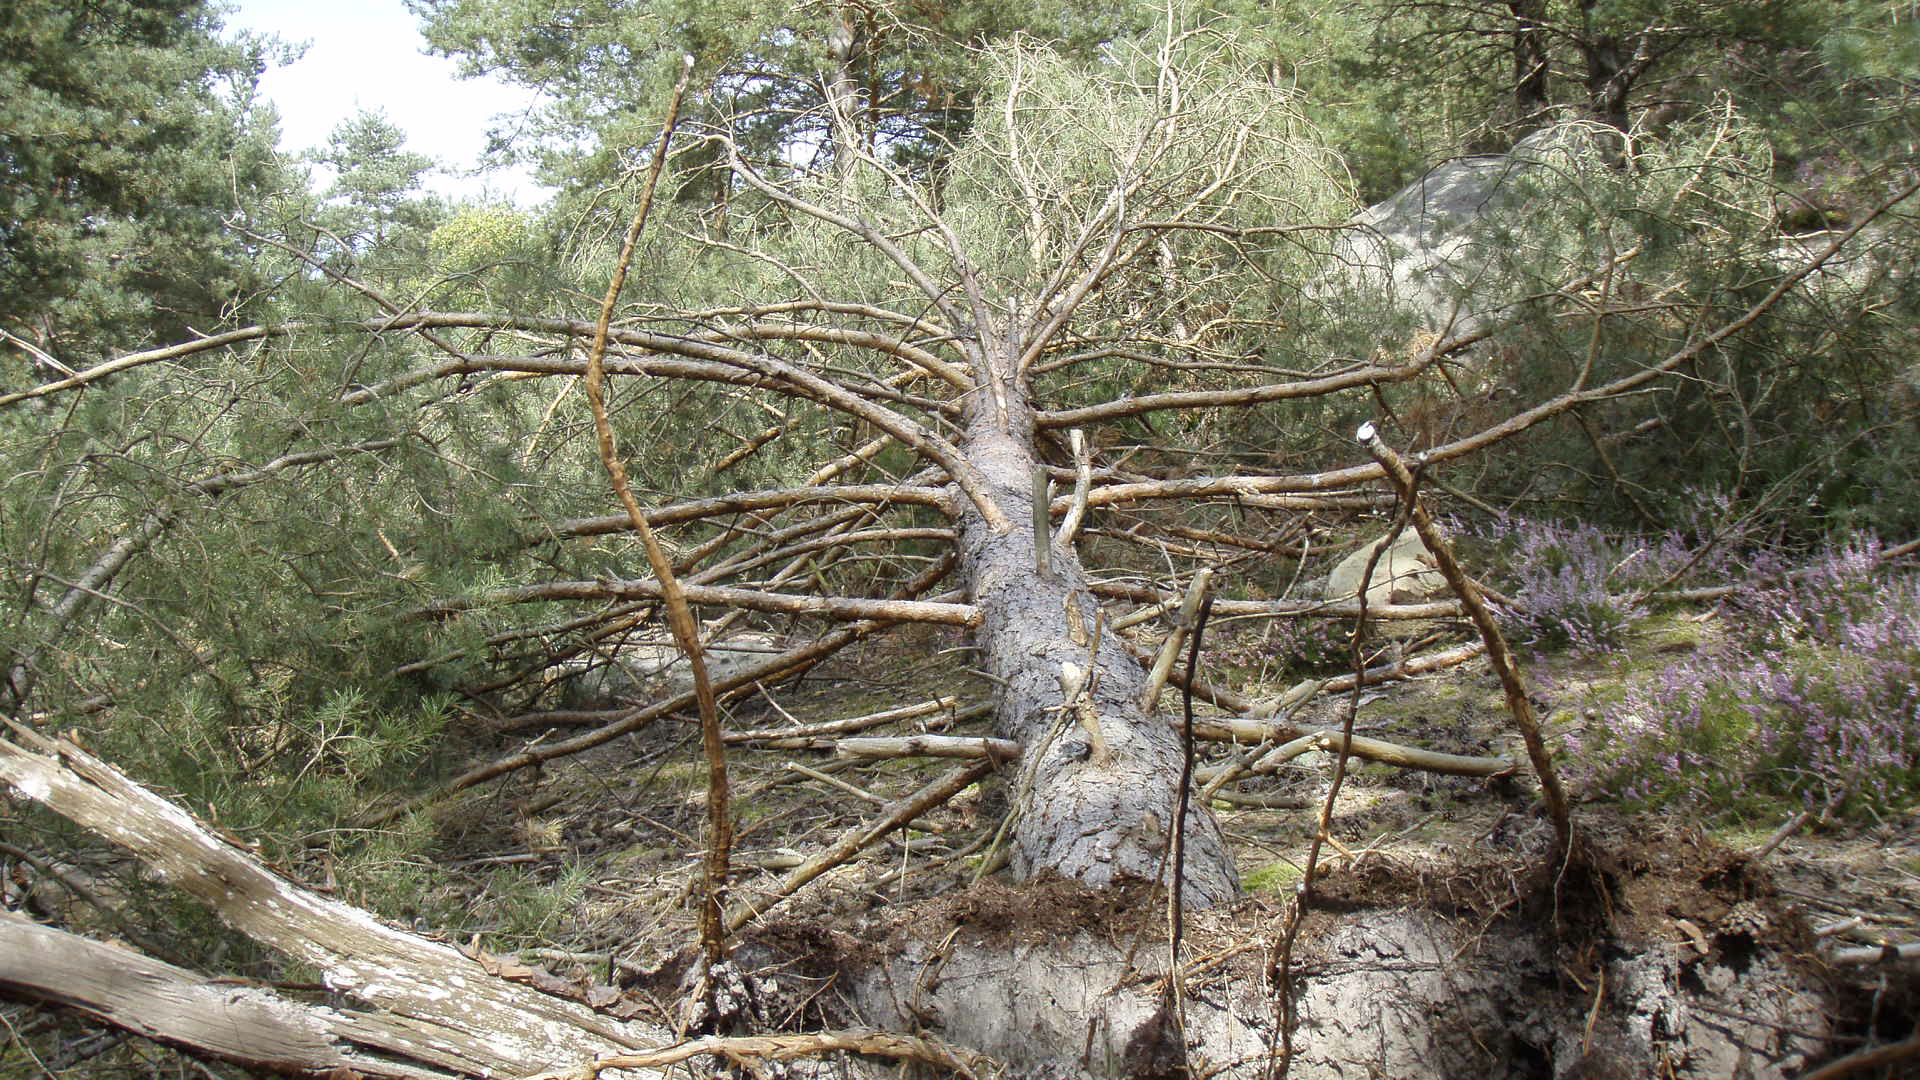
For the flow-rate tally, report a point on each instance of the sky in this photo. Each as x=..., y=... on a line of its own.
x=369, y=54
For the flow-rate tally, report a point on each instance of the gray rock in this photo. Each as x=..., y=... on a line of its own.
x=1434, y=250
x=1405, y=574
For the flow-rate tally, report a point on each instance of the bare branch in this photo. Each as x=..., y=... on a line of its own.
x=747, y=1048
x=832, y=607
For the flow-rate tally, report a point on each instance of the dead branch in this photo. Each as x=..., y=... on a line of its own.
x=151, y=356
x=1721, y=592
x=749, y=448
x=1877, y=954
x=1367, y=375
x=951, y=746
x=748, y=502
x=1862, y=1060
x=805, y=655
x=1293, y=741
x=862, y=837
x=686, y=630
x=1290, y=703
x=1497, y=653
x=1170, y=648
x=771, y=737
x=745, y=1049
x=628, y=721
x=1301, y=739
x=892, y=346
x=1407, y=668
x=1404, y=668
x=833, y=607
x=1285, y=609
x=1082, y=485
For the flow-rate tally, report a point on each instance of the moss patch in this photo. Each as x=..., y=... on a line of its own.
x=1271, y=878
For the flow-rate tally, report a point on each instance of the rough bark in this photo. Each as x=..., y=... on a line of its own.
x=1531, y=65
x=1098, y=807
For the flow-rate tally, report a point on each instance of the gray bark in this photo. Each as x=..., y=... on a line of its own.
x=1097, y=811
x=1531, y=65
x=845, y=46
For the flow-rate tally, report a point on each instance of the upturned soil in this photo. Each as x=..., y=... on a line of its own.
x=1439, y=939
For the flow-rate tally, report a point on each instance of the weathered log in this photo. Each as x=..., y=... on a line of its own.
x=245, y=1024
x=1099, y=818
x=461, y=1016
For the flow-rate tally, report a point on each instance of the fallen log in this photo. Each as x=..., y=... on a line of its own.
x=439, y=1008
x=248, y=1025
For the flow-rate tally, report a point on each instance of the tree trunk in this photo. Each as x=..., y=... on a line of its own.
x=1096, y=806
x=1609, y=79
x=1530, y=65
x=1609, y=75
x=844, y=47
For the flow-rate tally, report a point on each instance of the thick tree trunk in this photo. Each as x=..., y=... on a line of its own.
x=1096, y=806
x=1609, y=80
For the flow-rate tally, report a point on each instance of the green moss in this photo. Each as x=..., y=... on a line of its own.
x=1740, y=837
x=1271, y=878
x=1667, y=633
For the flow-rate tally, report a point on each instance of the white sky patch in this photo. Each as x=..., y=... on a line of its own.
x=369, y=54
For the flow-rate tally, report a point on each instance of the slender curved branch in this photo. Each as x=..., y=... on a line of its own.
x=1370, y=375
x=150, y=356
x=752, y=502
x=833, y=607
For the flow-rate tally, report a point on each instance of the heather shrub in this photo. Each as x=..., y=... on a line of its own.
x=1574, y=585
x=1813, y=694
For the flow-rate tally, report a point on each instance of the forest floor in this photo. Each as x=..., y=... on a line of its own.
x=591, y=866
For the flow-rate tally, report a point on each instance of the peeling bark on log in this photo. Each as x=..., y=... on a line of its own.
x=157, y=1000
x=458, y=1016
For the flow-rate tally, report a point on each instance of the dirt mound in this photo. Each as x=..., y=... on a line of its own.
x=1667, y=956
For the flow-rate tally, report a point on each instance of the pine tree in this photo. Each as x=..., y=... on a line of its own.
x=128, y=130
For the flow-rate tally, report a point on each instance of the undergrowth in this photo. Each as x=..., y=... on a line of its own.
x=1809, y=694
